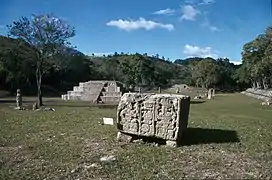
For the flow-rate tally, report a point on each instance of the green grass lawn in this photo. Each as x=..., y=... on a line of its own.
x=228, y=137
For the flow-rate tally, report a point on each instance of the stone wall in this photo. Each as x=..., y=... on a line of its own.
x=258, y=93
x=95, y=91
x=157, y=115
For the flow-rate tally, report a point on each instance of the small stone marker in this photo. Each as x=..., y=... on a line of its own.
x=108, y=121
x=18, y=99
x=107, y=158
x=163, y=116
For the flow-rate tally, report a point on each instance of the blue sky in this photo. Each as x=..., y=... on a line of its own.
x=173, y=28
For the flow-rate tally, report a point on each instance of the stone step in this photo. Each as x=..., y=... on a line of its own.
x=112, y=89
x=78, y=88
x=110, y=98
x=118, y=94
x=75, y=93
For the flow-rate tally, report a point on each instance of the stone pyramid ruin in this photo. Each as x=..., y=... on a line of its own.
x=96, y=91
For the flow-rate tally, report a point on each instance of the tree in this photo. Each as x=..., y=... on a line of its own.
x=256, y=59
x=15, y=60
x=48, y=35
x=206, y=73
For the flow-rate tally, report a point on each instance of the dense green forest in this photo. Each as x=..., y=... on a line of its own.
x=27, y=61
x=139, y=70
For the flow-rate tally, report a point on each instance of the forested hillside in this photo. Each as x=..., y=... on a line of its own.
x=17, y=70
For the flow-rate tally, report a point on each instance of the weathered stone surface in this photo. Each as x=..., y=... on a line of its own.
x=155, y=115
x=265, y=95
x=171, y=143
x=95, y=91
x=124, y=137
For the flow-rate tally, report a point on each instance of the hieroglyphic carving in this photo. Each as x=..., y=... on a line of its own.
x=156, y=115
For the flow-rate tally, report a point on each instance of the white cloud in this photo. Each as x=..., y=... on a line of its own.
x=189, y=13
x=190, y=1
x=199, y=2
x=207, y=24
x=195, y=51
x=236, y=62
x=204, y=2
x=166, y=11
x=141, y=23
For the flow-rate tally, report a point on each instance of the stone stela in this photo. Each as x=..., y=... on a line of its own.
x=211, y=93
x=18, y=99
x=163, y=116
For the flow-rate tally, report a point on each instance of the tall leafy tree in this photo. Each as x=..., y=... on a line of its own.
x=48, y=35
x=206, y=73
x=256, y=59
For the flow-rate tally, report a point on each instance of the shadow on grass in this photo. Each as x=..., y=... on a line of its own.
x=197, y=102
x=194, y=136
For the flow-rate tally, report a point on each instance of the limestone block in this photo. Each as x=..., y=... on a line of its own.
x=81, y=84
x=156, y=115
x=77, y=88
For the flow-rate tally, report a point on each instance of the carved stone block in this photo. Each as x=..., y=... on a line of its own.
x=155, y=115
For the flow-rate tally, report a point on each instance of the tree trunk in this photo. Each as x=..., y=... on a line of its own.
x=253, y=84
x=40, y=102
x=39, y=88
x=265, y=86
x=258, y=85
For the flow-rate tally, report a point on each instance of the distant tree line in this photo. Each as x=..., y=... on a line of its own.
x=17, y=70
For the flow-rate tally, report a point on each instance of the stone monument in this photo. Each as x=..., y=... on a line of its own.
x=163, y=116
x=210, y=94
x=18, y=99
x=213, y=92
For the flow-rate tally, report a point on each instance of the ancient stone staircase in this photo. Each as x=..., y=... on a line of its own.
x=95, y=91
